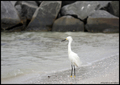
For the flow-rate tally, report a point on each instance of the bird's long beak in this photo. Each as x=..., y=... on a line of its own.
x=64, y=40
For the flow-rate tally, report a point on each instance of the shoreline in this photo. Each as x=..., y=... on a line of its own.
x=105, y=71
x=98, y=72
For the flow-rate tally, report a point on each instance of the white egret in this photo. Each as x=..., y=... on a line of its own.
x=74, y=58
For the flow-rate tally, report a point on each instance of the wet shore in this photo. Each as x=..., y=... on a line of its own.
x=101, y=72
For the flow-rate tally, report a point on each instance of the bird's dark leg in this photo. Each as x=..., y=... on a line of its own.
x=71, y=70
x=74, y=70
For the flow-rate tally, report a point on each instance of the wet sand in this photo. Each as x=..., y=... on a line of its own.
x=101, y=72
x=105, y=71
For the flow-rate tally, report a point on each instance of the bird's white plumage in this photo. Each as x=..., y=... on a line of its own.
x=74, y=58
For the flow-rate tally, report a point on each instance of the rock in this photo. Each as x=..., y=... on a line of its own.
x=18, y=3
x=103, y=4
x=13, y=2
x=44, y=16
x=28, y=10
x=19, y=10
x=9, y=15
x=17, y=28
x=67, y=2
x=18, y=7
x=22, y=16
x=25, y=10
x=68, y=23
x=102, y=21
x=32, y=3
x=63, y=4
x=38, y=2
x=85, y=8
x=114, y=8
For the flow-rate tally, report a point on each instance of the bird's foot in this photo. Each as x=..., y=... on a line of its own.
x=74, y=76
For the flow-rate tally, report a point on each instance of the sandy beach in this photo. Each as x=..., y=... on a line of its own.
x=105, y=71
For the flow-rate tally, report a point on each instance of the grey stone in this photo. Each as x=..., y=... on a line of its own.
x=44, y=16
x=103, y=4
x=19, y=10
x=13, y=2
x=28, y=10
x=17, y=28
x=67, y=2
x=18, y=3
x=82, y=8
x=114, y=8
x=101, y=14
x=9, y=15
x=102, y=21
x=38, y=2
x=33, y=3
x=68, y=23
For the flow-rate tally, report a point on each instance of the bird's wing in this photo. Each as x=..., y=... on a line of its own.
x=75, y=59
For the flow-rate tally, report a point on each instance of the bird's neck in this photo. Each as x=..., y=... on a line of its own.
x=69, y=46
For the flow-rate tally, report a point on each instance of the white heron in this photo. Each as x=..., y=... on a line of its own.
x=74, y=58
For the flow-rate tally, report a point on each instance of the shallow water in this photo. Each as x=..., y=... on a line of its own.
x=43, y=52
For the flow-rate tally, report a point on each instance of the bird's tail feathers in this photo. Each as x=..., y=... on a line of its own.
x=78, y=63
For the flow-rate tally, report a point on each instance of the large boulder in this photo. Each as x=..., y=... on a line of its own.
x=82, y=8
x=28, y=10
x=103, y=4
x=68, y=23
x=13, y=2
x=44, y=16
x=25, y=11
x=102, y=21
x=114, y=8
x=19, y=10
x=9, y=15
x=34, y=3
